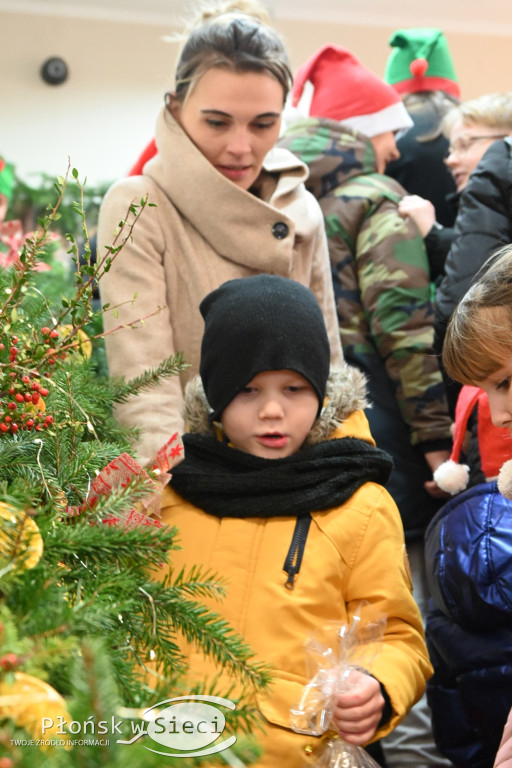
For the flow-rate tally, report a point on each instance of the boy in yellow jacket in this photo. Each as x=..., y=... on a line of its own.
x=281, y=492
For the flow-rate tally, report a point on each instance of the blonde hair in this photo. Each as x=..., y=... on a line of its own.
x=207, y=11
x=235, y=35
x=494, y=110
x=478, y=339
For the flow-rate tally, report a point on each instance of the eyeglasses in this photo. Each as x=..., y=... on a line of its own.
x=464, y=145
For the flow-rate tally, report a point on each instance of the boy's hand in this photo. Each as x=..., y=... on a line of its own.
x=421, y=211
x=434, y=459
x=358, y=711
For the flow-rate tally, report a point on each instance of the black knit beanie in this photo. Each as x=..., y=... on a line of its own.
x=256, y=324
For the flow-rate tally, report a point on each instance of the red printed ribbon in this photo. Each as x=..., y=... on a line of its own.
x=121, y=471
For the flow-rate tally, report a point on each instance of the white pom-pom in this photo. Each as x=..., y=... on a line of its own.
x=452, y=477
x=505, y=480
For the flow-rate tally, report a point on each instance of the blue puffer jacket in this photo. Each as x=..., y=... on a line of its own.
x=469, y=626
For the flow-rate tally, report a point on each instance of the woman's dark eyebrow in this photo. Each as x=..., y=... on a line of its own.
x=220, y=113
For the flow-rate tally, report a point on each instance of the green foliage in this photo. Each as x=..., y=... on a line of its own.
x=30, y=201
x=80, y=608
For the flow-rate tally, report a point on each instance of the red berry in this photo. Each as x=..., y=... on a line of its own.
x=2, y=346
x=49, y=419
x=6, y=762
x=13, y=350
x=9, y=661
x=35, y=398
x=11, y=391
x=8, y=419
x=14, y=339
x=35, y=385
x=14, y=428
x=25, y=379
x=44, y=392
x=4, y=427
x=19, y=397
x=12, y=406
x=28, y=397
x=45, y=330
x=54, y=334
x=30, y=423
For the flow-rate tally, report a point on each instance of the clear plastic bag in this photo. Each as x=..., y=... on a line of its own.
x=334, y=652
x=336, y=753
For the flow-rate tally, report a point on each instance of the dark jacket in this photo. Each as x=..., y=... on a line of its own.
x=421, y=169
x=469, y=626
x=483, y=224
x=438, y=242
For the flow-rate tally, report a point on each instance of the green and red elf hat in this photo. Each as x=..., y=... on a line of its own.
x=421, y=61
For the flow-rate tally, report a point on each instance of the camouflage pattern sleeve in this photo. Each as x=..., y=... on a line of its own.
x=384, y=297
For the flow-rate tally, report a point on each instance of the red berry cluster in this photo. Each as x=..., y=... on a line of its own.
x=22, y=401
x=49, y=336
x=9, y=661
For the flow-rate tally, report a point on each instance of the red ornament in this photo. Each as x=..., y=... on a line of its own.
x=418, y=67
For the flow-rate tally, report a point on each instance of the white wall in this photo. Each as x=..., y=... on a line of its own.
x=104, y=115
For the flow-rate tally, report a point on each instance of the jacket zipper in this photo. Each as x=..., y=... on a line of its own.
x=295, y=553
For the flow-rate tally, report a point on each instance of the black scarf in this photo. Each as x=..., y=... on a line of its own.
x=226, y=482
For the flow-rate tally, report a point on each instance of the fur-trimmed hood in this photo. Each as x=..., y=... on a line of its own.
x=345, y=393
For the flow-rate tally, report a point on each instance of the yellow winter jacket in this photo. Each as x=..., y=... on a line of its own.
x=354, y=559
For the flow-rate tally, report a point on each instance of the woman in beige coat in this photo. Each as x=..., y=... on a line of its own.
x=227, y=204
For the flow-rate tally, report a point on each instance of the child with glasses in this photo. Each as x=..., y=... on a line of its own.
x=471, y=128
x=483, y=162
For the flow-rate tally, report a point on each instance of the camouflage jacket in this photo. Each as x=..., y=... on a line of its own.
x=380, y=272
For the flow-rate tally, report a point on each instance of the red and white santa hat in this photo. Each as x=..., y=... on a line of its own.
x=343, y=89
x=494, y=445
